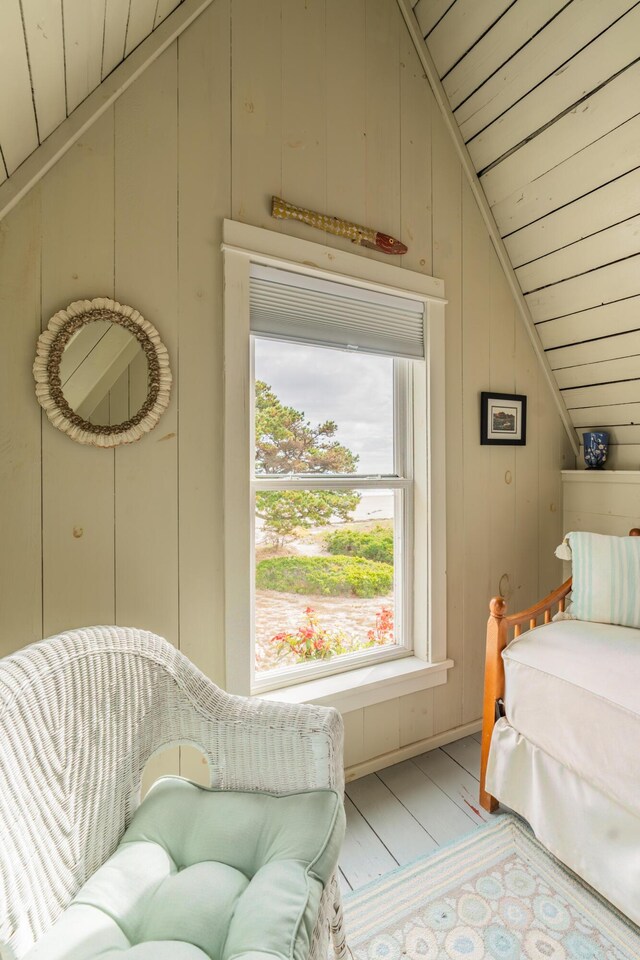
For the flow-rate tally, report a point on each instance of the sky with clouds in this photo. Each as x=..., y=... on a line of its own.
x=353, y=389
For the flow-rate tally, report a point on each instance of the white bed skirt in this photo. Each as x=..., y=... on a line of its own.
x=585, y=829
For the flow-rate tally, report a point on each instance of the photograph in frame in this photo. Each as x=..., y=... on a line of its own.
x=503, y=418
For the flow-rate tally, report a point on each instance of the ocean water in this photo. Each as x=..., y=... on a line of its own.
x=374, y=505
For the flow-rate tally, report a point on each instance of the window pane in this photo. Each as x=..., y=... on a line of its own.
x=322, y=411
x=324, y=574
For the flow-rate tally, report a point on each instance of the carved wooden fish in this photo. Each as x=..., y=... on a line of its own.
x=364, y=236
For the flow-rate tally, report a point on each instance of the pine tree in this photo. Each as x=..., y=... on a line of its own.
x=287, y=443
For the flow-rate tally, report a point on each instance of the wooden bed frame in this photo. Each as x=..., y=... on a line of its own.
x=500, y=630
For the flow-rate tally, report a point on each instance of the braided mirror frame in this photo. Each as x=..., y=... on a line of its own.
x=46, y=371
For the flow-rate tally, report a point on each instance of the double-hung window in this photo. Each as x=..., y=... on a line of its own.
x=329, y=559
x=332, y=478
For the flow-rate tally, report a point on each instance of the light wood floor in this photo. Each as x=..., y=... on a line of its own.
x=409, y=810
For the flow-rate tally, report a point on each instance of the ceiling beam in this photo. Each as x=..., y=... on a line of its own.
x=485, y=210
x=70, y=130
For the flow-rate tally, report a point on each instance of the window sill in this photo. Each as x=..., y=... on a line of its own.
x=365, y=686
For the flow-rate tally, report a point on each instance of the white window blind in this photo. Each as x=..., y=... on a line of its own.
x=294, y=306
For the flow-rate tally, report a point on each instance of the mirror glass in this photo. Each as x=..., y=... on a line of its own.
x=104, y=373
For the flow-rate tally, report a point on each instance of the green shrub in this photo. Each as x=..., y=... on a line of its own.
x=325, y=576
x=376, y=544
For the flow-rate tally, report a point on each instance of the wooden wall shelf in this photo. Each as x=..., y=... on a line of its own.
x=600, y=476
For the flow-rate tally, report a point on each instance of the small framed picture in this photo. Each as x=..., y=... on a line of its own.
x=503, y=418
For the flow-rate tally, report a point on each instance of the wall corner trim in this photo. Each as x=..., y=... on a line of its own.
x=410, y=750
x=498, y=244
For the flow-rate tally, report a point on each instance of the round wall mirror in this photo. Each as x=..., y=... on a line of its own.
x=102, y=373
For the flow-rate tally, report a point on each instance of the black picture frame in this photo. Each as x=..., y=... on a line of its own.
x=503, y=419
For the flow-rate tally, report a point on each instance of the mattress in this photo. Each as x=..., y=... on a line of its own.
x=572, y=688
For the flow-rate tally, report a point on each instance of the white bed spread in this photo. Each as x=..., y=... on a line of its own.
x=595, y=836
x=573, y=689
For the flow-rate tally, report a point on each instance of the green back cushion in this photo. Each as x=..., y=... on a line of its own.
x=207, y=874
x=606, y=578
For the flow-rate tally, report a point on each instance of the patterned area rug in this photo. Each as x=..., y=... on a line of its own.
x=494, y=895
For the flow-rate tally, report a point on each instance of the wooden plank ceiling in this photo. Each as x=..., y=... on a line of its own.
x=546, y=94
x=53, y=54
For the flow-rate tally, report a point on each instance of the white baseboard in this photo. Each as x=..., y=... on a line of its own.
x=411, y=750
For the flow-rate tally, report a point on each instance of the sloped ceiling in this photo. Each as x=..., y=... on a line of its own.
x=546, y=95
x=53, y=54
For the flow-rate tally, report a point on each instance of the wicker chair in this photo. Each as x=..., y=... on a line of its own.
x=80, y=715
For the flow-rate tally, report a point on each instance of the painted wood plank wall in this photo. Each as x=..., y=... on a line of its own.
x=601, y=502
x=134, y=210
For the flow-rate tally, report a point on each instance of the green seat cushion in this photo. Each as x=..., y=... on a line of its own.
x=206, y=874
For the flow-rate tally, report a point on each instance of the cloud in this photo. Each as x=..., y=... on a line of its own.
x=353, y=389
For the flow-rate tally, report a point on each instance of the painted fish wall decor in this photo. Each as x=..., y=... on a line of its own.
x=364, y=236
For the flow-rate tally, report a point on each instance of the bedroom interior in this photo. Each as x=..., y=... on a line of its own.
x=321, y=347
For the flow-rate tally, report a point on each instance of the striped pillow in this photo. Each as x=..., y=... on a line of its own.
x=606, y=578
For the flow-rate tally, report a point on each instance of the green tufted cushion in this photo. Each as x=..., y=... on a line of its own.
x=206, y=874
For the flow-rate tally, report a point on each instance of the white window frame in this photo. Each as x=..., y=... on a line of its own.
x=372, y=682
x=403, y=483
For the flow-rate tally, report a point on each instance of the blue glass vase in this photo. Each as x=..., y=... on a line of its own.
x=595, y=449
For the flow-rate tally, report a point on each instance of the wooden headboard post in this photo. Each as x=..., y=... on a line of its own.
x=493, y=688
x=499, y=629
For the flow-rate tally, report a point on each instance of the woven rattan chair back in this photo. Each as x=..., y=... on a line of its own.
x=80, y=716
